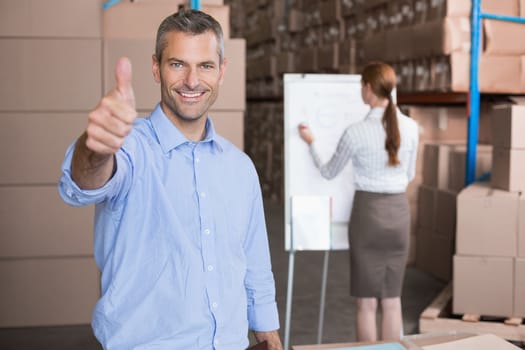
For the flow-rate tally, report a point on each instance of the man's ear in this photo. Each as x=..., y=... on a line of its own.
x=222, y=70
x=155, y=68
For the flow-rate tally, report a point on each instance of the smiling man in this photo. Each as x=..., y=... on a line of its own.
x=180, y=235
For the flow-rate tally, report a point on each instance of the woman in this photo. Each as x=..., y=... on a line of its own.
x=383, y=150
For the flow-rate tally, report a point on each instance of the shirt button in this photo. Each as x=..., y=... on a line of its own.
x=214, y=305
x=207, y=231
x=203, y=194
x=210, y=268
x=197, y=160
x=216, y=342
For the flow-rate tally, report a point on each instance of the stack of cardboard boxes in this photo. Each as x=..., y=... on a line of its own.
x=51, y=76
x=58, y=59
x=440, y=176
x=489, y=265
x=427, y=42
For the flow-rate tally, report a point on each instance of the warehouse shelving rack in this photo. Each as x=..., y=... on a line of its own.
x=474, y=94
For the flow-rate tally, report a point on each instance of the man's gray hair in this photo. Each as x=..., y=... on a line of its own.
x=192, y=22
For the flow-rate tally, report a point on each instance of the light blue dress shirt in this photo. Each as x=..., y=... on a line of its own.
x=181, y=243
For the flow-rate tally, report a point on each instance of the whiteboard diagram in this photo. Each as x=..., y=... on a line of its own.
x=328, y=103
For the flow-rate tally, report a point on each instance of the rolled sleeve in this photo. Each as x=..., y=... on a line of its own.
x=263, y=317
x=74, y=195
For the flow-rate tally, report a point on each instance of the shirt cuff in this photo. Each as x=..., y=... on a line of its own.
x=74, y=195
x=263, y=317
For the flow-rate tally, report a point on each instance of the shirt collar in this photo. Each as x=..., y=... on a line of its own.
x=376, y=112
x=170, y=137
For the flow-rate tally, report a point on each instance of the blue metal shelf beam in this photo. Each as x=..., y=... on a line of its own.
x=473, y=107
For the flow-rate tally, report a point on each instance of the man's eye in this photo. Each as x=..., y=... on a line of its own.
x=176, y=64
x=207, y=66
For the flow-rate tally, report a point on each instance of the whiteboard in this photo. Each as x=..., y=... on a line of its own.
x=328, y=103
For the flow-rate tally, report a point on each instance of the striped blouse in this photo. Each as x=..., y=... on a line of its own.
x=364, y=144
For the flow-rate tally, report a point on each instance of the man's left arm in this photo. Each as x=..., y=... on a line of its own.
x=263, y=316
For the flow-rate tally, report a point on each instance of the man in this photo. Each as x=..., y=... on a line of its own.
x=180, y=236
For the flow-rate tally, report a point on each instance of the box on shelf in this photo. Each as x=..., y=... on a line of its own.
x=487, y=221
x=508, y=169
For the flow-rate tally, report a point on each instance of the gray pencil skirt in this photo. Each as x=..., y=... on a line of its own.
x=379, y=237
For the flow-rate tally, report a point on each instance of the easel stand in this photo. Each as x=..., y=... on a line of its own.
x=289, y=297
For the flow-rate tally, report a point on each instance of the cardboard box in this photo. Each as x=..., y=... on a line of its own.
x=426, y=202
x=521, y=227
x=141, y=19
x=458, y=163
x=483, y=285
x=50, y=74
x=508, y=169
x=507, y=8
x=232, y=92
x=448, y=8
x=261, y=67
x=446, y=214
x=436, y=164
x=454, y=8
x=51, y=18
x=48, y=292
x=212, y=2
x=230, y=125
x=34, y=145
x=508, y=126
x=285, y=62
x=439, y=9
x=503, y=38
x=434, y=253
x=487, y=221
x=439, y=124
x=439, y=37
x=308, y=61
x=519, y=287
x=497, y=74
x=328, y=57
x=37, y=223
x=330, y=11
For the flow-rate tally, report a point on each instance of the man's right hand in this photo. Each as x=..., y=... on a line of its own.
x=111, y=121
x=108, y=125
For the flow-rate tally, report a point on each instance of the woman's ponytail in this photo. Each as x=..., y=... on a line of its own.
x=382, y=80
x=393, y=138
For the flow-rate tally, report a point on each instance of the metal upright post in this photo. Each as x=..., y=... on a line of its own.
x=323, y=297
x=473, y=106
x=289, y=296
x=195, y=4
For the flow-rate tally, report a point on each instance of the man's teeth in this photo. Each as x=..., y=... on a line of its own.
x=190, y=95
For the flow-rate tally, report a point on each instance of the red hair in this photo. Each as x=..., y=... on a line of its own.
x=382, y=80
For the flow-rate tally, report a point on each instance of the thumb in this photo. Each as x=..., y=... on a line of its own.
x=123, y=75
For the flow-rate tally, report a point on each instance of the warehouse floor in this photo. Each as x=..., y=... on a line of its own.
x=419, y=290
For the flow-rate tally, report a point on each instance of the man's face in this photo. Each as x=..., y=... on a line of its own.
x=189, y=75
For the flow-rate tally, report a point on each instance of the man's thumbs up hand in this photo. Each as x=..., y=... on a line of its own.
x=123, y=78
x=111, y=121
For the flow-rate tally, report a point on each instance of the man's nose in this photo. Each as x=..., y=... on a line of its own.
x=192, y=78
